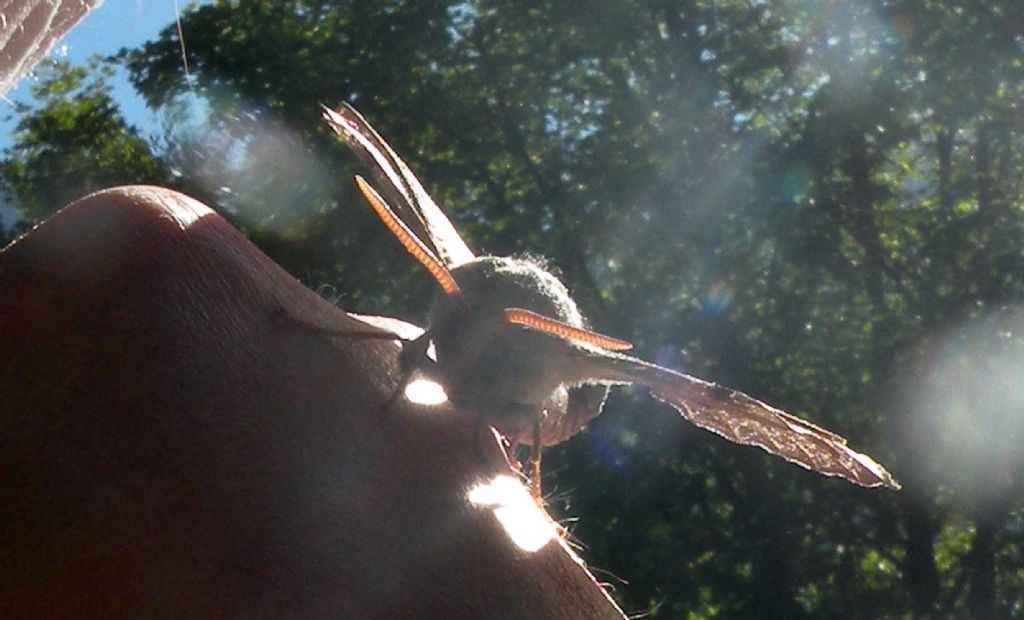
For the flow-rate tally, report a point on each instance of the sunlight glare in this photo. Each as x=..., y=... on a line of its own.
x=425, y=392
x=526, y=524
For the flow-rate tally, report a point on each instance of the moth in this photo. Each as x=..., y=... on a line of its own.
x=512, y=346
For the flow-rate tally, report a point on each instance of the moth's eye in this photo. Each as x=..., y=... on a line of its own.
x=425, y=392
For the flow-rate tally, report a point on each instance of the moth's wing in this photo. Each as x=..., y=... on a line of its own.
x=745, y=420
x=386, y=324
x=352, y=326
x=400, y=186
x=582, y=404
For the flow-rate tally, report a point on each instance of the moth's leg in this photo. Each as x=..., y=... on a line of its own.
x=413, y=356
x=280, y=317
x=480, y=431
x=535, y=450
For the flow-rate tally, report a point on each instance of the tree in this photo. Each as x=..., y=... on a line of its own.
x=819, y=201
x=74, y=143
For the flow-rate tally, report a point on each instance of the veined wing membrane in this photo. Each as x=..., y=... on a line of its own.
x=400, y=186
x=748, y=421
x=721, y=410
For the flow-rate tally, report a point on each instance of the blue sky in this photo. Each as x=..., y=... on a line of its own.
x=108, y=28
x=111, y=26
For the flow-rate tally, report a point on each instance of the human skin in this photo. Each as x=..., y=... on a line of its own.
x=171, y=448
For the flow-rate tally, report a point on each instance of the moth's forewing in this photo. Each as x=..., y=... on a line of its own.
x=378, y=157
x=745, y=420
x=567, y=414
x=731, y=414
x=400, y=186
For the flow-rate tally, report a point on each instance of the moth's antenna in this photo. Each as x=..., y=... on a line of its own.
x=409, y=240
x=539, y=322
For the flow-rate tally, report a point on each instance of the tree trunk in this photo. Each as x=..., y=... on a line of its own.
x=981, y=567
x=944, y=146
x=921, y=574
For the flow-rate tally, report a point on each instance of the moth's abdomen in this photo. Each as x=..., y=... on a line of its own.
x=583, y=403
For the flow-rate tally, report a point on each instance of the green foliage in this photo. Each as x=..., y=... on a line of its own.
x=73, y=143
x=820, y=200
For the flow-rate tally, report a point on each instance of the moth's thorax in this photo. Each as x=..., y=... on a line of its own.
x=492, y=284
x=503, y=370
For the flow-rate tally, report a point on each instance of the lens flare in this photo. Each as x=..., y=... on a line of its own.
x=964, y=403
x=718, y=298
x=260, y=169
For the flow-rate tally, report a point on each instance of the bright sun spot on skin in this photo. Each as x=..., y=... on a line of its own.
x=425, y=392
x=526, y=524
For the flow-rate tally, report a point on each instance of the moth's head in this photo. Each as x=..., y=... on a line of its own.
x=490, y=285
x=513, y=299
x=465, y=325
